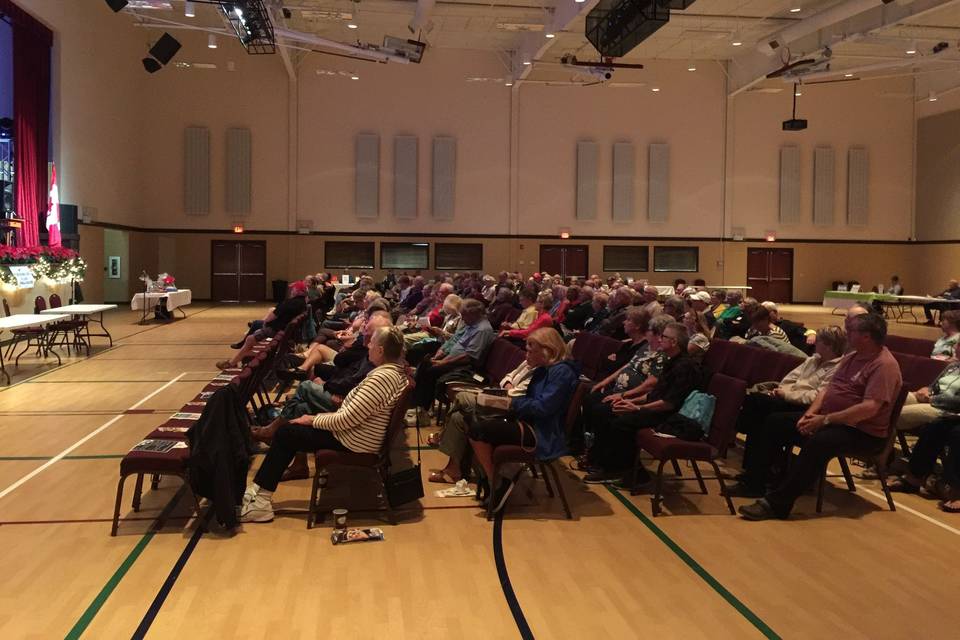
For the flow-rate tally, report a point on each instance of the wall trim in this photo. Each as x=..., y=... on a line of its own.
x=506, y=236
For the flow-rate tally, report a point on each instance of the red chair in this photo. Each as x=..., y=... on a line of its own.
x=33, y=336
x=518, y=455
x=139, y=463
x=70, y=329
x=717, y=355
x=742, y=362
x=379, y=462
x=913, y=346
x=729, y=393
x=591, y=350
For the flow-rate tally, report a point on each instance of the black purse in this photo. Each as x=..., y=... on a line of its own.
x=407, y=485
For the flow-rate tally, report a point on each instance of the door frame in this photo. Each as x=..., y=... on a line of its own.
x=792, y=266
x=586, y=253
x=262, y=243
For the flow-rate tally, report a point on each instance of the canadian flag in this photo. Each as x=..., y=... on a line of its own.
x=53, y=212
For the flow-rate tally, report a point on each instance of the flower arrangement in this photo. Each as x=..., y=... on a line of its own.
x=54, y=263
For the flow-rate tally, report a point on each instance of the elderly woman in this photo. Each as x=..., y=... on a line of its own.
x=941, y=399
x=425, y=343
x=528, y=302
x=536, y=419
x=358, y=426
x=502, y=308
x=463, y=412
x=543, y=319
x=570, y=298
x=945, y=344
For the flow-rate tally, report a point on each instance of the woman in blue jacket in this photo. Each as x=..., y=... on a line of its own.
x=536, y=420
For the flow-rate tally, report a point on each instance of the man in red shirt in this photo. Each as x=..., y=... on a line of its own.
x=851, y=416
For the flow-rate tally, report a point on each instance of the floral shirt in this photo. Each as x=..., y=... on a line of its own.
x=641, y=366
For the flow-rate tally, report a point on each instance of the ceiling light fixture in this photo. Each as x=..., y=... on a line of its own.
x=508, y=84
x=737, y=40
x=354, y=77
x=797, y=92
x=848, y=75
x=796, y=7
x=189, y=9
x=932, y=97
x=212, y=41
x=655, y=89
x=549, y=34
x=912, y=49
x=351, y=25
x=526, y=63
x=691, y=66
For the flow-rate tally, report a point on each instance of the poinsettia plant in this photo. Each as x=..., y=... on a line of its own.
x=55, y=263
x=26, y=255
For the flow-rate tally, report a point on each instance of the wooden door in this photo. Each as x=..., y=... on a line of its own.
x=770, y=273
x=238, y=270
x=568, y=260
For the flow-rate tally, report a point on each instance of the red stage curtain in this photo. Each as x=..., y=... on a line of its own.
x=31, y=115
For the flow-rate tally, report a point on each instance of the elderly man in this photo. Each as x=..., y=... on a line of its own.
x=457, y=356
x=951, y=294
x=851, y=416
x=276, y=320
x=578, y=315
x=612, y=326
x=600, y=311
x=413, y=297
x=649, y=300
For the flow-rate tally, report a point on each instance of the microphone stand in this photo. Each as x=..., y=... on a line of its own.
x=143, y=317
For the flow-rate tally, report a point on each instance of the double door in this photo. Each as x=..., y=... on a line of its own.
x=770, y=273
x=239, y=270
x=568, y=260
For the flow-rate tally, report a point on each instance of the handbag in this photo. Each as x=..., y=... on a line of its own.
x=699, y=406
x=407, y=485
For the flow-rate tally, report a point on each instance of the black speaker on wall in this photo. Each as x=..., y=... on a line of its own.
x=165, y=48
x=68, y=219
x=116, y=5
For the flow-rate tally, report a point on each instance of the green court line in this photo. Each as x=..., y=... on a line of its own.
x=731, y=599
x=108, y=588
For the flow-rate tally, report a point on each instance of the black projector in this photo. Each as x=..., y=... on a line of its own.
x=794, y=124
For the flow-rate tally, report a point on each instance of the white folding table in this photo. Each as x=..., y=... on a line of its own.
x=22, y=321
x=87, y=311
x=173, y=300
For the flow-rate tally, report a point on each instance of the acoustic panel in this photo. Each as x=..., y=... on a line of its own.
x=823, y=185
x=790, y=185
x=586, y=180
x=238, y=171
x=658, y=189
x=367, y=186
x=858, y=176
x=196, y=171
x=444, y=177
x=624, y=164
x=405, y=177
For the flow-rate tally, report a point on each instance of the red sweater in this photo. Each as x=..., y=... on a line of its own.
x=543, y=320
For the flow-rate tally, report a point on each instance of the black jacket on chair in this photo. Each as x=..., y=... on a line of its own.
x=220, y=453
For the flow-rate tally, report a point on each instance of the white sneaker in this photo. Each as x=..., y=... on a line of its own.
x=260, y=509
x=248, y=496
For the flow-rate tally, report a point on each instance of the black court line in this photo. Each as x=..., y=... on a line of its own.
x=508, y=592
x=167, y=586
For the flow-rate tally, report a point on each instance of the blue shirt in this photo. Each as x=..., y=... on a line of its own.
x=471, y=339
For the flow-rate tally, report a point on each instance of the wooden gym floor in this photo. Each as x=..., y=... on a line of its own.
x=857, y=571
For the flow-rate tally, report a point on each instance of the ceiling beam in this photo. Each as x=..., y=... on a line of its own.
x=753, y=66
x=533, y=44
x=279, y=21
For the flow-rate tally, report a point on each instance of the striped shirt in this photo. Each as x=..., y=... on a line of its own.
x=362, y=420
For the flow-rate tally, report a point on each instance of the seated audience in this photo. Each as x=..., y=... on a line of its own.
x=426, y=342
x=798, y=335
x=536, y=419
x=618, y=304
x=489, y=291
x=529, y=313
x=699, y=333
x=463, y=413
x=895, y=288
x=414, y=293
x=940, y=399
x=599, y=311
x=674, y=307
x=763, y=332
x=945, y=345
x=457, y=356
x=718, y=305
x=578, y=314
x=950, y=295
x=276, y=320
x=614, y=447
x=735, y=321
x=358, y=426
x=543, y=319
x=851, y=416
x=940, y=438
x=635, y=325
x=650, y=297
x=502, y=307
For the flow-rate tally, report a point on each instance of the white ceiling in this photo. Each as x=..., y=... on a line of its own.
x=703, y=32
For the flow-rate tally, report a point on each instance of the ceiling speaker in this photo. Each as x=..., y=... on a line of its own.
x=116, y=5
x=165, y=48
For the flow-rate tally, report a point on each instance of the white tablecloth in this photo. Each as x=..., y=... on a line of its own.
x=23, y=320
x=81, y=309
x=175, y=299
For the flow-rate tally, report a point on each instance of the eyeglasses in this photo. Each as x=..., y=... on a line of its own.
x=666, y=337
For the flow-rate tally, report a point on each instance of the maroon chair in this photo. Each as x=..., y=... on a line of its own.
x=379, y=462
x=717, y=355
x=33, y=336
x=729, y=393
x=591, y=350
x=913, y=346
x=742, y=361
x=880, y=459
x=139, y=463
x=918, y=371
x=71, y=330
x=516, y=454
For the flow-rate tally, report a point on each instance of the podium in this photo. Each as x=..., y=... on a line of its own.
x=9, y=228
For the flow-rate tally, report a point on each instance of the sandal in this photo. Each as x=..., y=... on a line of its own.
x=946, y=506
x=223, y=364
x=441, y=477
x=900, y=485
x=433, y=439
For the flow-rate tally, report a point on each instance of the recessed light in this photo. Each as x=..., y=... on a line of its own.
x=655, y=89
x=508, y=84
x=549, y=34
x=848, y=75
x=932, y=97
x=912, y=49
x=798, y=93
x=737, y=42
x=354, y=77
x=526, y=63
x=691, y=67
x=189, y=9
x=212, y=41
x=796, y=8
x=351, y=25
